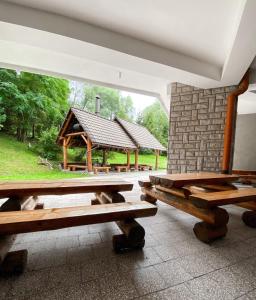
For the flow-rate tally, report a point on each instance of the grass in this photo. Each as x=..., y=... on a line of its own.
x=147, y=159
x=18, y=162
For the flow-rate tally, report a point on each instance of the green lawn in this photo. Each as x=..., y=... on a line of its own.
x=17, y=161
x=147, y=159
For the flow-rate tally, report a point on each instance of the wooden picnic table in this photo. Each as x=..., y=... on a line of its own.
x=201, y=195
x=21, y=213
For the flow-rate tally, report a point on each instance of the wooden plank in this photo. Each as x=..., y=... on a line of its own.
x=60, y=187
x=223, y=198
x=56, y=218
x=75, y=133
x=179, y=180
x=215, y=216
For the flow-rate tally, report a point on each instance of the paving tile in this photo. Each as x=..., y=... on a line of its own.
x=89, y=291
x=5, y=286
x=90, y=239
x=179, y=292
x=147, y=280
x=67, y=242
x=148, y=257
x=172, y=272
x=52, y=258
x=29, y=283
x=252, y=295
x=117, y=286
x=166, y=252
x=78, y=255
x=205, y=288
x=66, y=275
x=234, y=279
x=195, y=265
x=97, y=268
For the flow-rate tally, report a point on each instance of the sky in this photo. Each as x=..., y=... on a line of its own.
x=139, y=101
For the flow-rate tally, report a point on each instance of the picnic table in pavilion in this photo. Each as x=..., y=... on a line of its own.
x=22, y=213
x=201, y=195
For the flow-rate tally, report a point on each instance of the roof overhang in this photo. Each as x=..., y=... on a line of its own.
x=39, y=38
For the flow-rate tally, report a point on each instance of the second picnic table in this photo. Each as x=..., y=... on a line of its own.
x=200, y=195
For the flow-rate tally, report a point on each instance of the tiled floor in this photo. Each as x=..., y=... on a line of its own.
x=78, y=263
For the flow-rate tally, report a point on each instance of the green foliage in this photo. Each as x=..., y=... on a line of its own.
x=31, y=103
x=47, y=146
x=155, y=120
x=112, y=102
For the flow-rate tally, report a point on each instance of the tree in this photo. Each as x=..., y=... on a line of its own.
x=31, y=103
x=155, y=120
x=112, y=102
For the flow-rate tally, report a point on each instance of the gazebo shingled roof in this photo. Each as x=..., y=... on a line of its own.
x=140, y=135
x=103, y=132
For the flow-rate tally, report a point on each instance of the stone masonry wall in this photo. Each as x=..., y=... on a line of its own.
x=197, y=121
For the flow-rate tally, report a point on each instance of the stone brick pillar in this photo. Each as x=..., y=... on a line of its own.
x=197, y=121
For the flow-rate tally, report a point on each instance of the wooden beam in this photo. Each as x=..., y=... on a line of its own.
x=60, y=187
x=56, y=218
x=215, y=216
x=205, y=200
x=230, y=123
x=157, y=160
x=89, y=155
x=65, y=154
x=136, y=163
x=85, y=140
x=75, y=133
x=104, y=157
x=128, y=158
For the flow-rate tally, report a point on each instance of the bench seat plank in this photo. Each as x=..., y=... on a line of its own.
x=56, y=218
x=180, y=180
x=60, y=187
x=223, y=198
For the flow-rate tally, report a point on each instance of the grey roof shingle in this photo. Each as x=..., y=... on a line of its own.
x=140, y=135
x=102, y=131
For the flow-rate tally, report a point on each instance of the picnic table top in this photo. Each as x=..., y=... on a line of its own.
x=180, y=180
x=60, y=187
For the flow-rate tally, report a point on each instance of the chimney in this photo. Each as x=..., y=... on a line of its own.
x=97, y=105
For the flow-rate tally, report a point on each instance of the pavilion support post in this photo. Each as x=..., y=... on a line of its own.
x=89, y=155
x=104, y=157
x=157, y=159
x=65, y=154
x=136, y=164
x=128, y=159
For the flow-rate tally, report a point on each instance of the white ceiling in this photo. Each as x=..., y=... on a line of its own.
x=137, y=45
x=199, y=28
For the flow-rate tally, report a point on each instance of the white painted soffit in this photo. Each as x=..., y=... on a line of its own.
x=204, y=43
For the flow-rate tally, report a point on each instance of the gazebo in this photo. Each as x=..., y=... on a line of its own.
x=84, y=129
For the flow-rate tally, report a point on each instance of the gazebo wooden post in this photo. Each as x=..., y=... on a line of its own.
x=136, y=164
x=128, y=158
x=104, y=157
x=89, y=155
x=157, y=159
x=65, y=154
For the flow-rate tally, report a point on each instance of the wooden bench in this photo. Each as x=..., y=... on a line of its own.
x=100, y=168
x=202, y=195
x=144, y=167
x=75, y=167
x=57, y=218
x=122, y=168
x=109, y=205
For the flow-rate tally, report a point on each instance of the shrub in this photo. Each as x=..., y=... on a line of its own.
x=47, y=146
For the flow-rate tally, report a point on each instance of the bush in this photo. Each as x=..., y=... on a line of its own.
x=47, y=147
